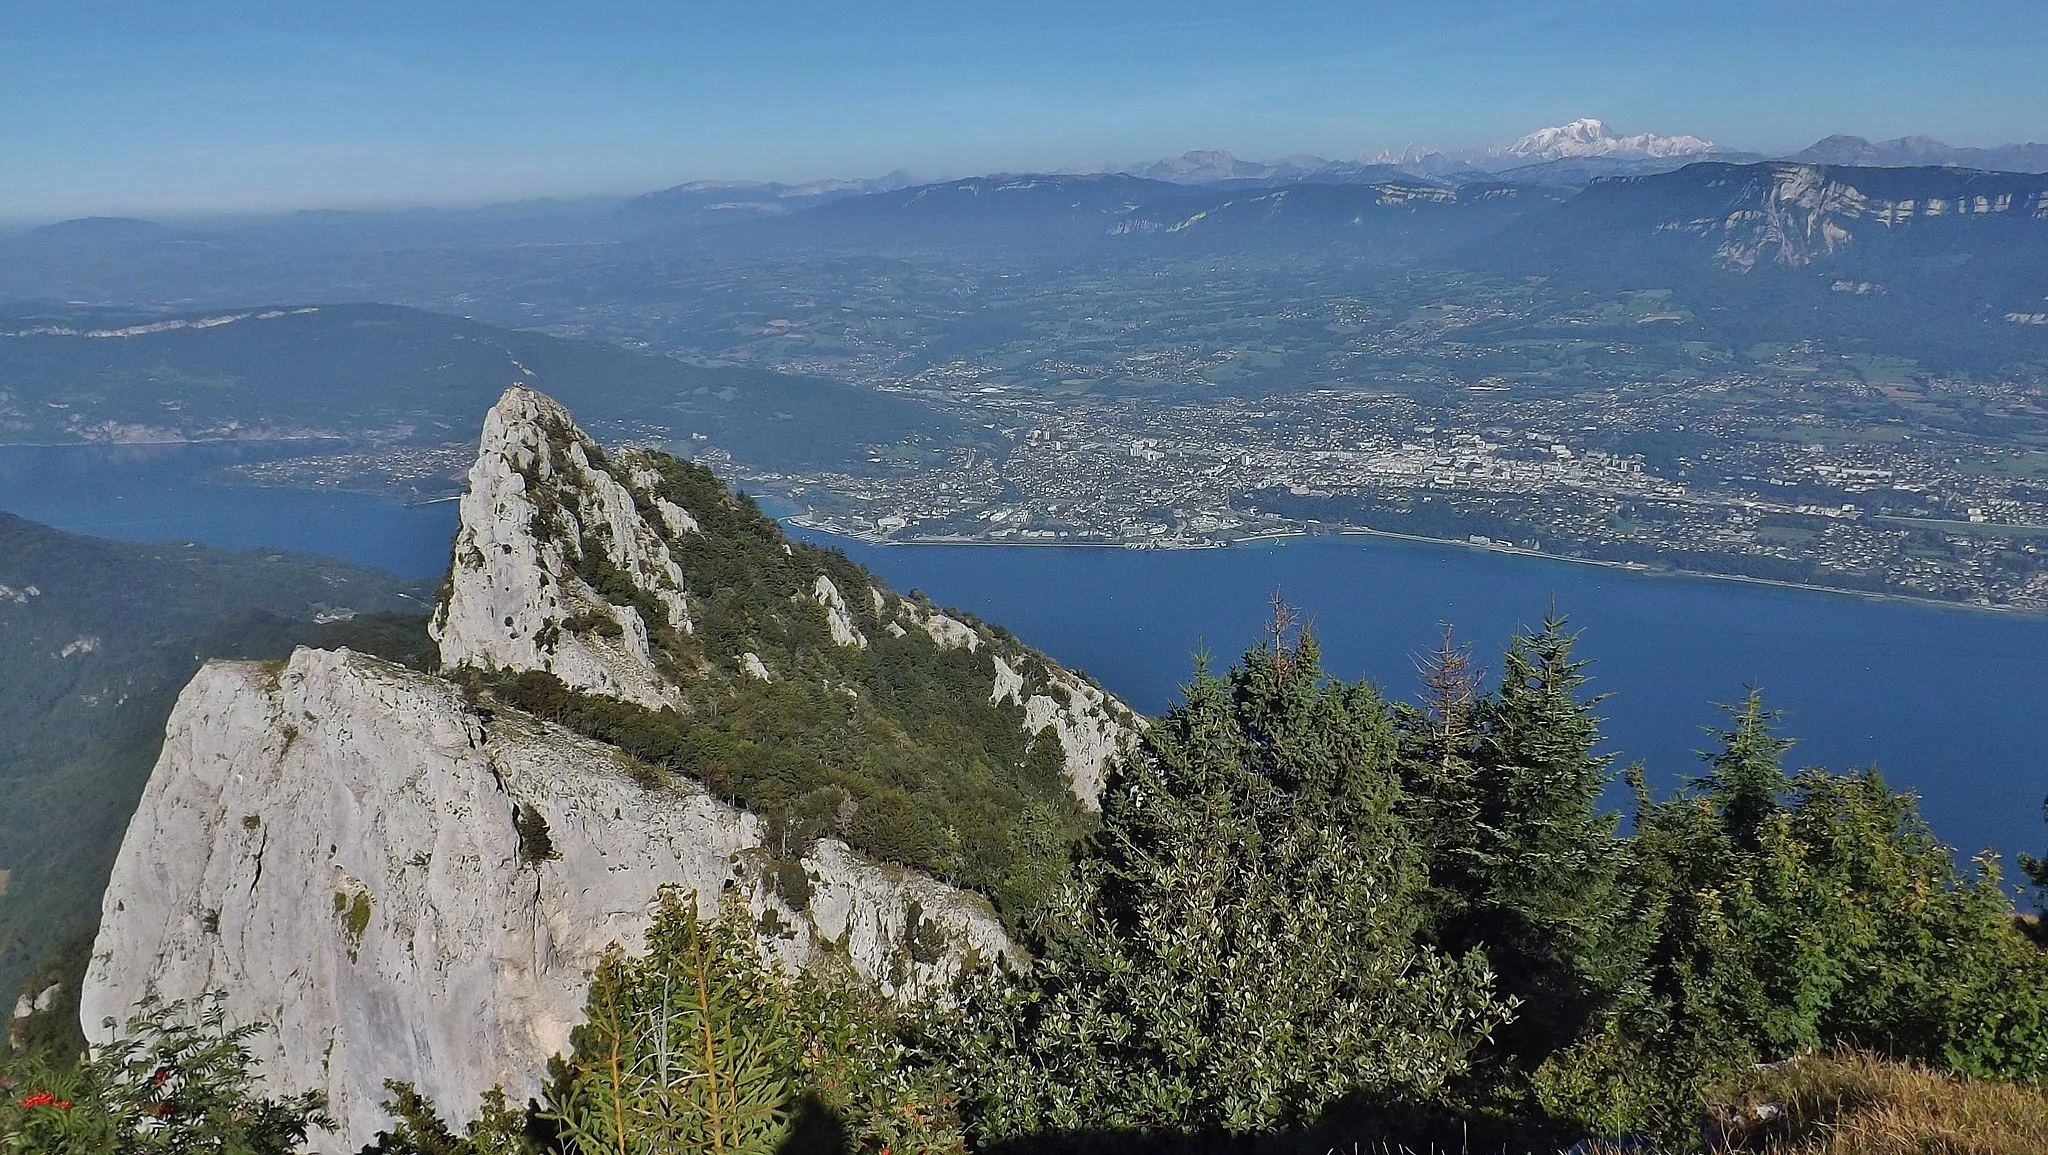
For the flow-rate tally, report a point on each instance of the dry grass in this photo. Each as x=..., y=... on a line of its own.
x=1858, y=1105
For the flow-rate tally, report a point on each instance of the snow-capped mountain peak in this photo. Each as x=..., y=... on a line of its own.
x=1589, y=137
x=1585, y=139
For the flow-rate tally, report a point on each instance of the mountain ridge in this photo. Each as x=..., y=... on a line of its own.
x=412, y=874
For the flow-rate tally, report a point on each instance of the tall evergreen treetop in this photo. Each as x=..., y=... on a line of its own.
x=1545, y=872
x=1542, y=779
x=1747, y=781
x=1437, y=764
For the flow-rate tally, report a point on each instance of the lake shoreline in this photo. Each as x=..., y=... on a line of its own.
x=1360, y=531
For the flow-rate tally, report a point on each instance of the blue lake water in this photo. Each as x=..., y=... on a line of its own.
x=154, y=492
x=1948, y=702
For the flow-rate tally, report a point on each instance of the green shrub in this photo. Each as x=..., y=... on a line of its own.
x=1239, y=950
x=792, y=884
x=536, y=843
x=701, y=1045
x=167, y=1084
x=805, y=758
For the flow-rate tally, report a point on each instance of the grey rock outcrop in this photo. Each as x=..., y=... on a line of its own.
x=333, y=843
x=1804, y=215
x=1092, y=726
x=27, y=1006
x=544, y=503
x=547, y=509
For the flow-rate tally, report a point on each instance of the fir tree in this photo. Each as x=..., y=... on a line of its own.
x=1747, y=780
x=1240, y=950
x=1545, y=870
x=1437, y=768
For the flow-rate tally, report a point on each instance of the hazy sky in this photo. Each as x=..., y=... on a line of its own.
x=151, y=106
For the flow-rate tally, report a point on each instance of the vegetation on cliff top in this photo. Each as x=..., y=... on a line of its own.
x=895, y=746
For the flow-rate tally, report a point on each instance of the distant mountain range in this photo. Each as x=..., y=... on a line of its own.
x=1565, y=154
x=1938, y=262
x=1569, y=155
x=705, y=201
x=1945, y=262
x=1573, y=154
x=1583, y=140
x=1216, y=167
x=1923, y=150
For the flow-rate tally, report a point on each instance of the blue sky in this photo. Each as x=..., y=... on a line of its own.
x=149, y=106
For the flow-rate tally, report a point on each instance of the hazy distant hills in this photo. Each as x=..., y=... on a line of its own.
x=1572, y=153
x=1217, y=168
x=864, y=280
x=1575, y=154
x=1391, y=219
x=1922, y=150
x=715, y=201
x=1036, y=208
x=1104, y=214
x=92, y=230
x=1745, y=218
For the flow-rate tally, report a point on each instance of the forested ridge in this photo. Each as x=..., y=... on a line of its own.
x=1312, y=916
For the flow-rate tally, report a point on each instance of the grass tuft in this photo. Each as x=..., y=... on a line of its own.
x=1855, y=1104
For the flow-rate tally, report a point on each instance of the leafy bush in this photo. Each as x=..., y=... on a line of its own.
x=166, y=1085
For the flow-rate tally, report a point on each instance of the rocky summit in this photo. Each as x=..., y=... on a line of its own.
x=412, y=877
x=573, y=563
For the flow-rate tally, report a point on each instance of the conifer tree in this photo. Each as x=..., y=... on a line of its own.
x=1747, y=780
x=1437, y=769
x=689, y=1049
x=1546, y=874
x=1240, y=951
x=704, y=1045
x=1796, y=914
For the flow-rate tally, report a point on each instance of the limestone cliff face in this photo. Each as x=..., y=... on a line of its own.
x=1091, y=725
x=333, y=844
x=540, y=508
x=1799, y=215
